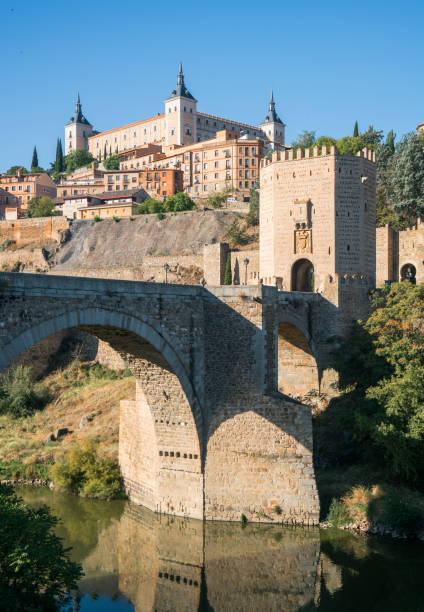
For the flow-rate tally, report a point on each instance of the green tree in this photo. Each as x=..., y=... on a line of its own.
x=371, y=138
x=228, y=275
x=355, y=130
x=253, y=214
x=13, y=170
x=40, y=207
x=217, y=200
x=105, y=153
x=34, y=162
x=178, y=202
x=325, y=141
x=77, y=159
x=305, y=140
x=35, y=570
x=407, y=180
x=59, y=165
x=20, y=396
x=348, y=145
x=112, y=162
x=237, y=234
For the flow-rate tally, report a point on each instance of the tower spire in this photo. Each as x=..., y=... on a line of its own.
x=180, y=79
x=271, y=101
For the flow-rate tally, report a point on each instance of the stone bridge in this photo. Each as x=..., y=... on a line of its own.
x=212, y=432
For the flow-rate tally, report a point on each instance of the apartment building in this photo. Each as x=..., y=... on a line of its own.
x=227, y=161
x=158, y=184
x=7, y=200
x=27, y=186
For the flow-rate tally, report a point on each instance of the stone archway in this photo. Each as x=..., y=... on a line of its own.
x=298, y=373
x=408, y=272
x=161, y=430
x=302, y=276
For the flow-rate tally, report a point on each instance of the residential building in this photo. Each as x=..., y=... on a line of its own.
x=227, y=161
x=157, y=183
x=27, y=186
x=179, y=124
x=70, y=205
x=7, y=201
x=116, y=204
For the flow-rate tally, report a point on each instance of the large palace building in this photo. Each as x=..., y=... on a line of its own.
x=180, y=124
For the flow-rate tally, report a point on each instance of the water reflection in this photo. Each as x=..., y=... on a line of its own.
x=136, y=560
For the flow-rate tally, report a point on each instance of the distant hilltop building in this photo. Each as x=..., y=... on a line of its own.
x=180, y=124
x=77, y=130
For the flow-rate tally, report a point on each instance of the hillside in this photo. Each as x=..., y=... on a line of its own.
x=123, y=243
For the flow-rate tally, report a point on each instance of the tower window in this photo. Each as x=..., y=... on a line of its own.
x=348, y=247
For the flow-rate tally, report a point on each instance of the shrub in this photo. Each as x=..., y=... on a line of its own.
x=95, y=219
x=228, y=274
x=160, y=216
x=400, y=509
x=79, y=374
x=237, y=234
x=20, y=396
x=83, y=472
x=35, y=570
x=40, y=207
x=178, y=202
x=338, y=514
x=116, y=219
x=6, y=243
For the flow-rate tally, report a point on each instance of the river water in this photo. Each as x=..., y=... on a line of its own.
x=134, y=559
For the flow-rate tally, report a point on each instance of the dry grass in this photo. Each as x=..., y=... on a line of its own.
x=22, y=439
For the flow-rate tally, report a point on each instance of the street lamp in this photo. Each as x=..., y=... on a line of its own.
x=166, y=268
x=246, y=263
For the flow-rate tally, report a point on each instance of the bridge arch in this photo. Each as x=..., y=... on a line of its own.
x=298, y=372
x=160, y=439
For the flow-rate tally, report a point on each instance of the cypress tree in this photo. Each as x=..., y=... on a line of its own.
x=59, y=165
x=110, y=151
x=390, y=142
x=356, y=130
x=34, y=163
x=105, y=153
x=227, y=275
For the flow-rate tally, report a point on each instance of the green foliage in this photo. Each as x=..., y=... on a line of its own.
x=59, y=165
x=237, y=234
x=35, y=570
x=84, y=472
x=398, y=508
x=325, y=141
x=305, y=140
x=217, y=200
x=77, y=159
x=252, y=217
x=34, y=162
x=381, y=367
x=348, y=145
x=338, y=514
x=407, y=179
x=176, y=203
x=6, y=243
x=160, y=216
x=116, y=219
x=228, y=275
x=112, y=162
x=95, y=219
x=40, y=207
x=13, y=170
x=355, y=130
x=15, y=470
x=79, y=374
x=19, y=395
x=105, y=153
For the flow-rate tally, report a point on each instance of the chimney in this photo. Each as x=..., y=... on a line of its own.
x=18, y=172
x=93, y=166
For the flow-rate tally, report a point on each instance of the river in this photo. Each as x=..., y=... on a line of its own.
x=134, y=559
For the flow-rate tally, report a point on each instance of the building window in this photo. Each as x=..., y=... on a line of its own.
x=196, y=157
x=205, y=187
x=241, y=173
x=246, y=174
x=240, y=162
x=172, y=132
x=216, y=175
x=216, y=152
x=188, y=132
x=186, y=156
x=246, y=163
x=240, y=185
x=216, y=186
x=216, y=164
x=205, y=166
x=205, y=154
x=228, y=164
x=185, y=109
x=205, y=177
x=246, y=184
x=246, y=150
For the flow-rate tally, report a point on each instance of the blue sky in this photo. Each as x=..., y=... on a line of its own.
x=329, y=64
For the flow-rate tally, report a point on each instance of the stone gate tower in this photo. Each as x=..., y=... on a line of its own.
x=317, y=225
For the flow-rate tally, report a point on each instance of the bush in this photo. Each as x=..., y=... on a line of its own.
x=6, y=243
x=178, y=202
x=116, y=219
x=40, y=207
x=83, y=472
x=237, y=234
x=19, y=395
x=79, y=374
x=160, y=216
x=35, y=570
x=400, y=509
x=15, y=470
x=338, y=514
x=95, y=219
x=112, y=162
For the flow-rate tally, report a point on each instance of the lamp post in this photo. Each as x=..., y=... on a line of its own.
x=166, y=268
x=246, y=263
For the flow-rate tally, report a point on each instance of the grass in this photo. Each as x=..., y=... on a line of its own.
x=79, y=389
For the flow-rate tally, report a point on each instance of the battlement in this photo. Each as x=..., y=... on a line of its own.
x=294, y=155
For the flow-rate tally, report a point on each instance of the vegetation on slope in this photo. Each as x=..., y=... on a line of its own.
x=374, y=431
x=84, y=402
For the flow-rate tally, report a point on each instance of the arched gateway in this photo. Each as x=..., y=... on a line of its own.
x=207, y=435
